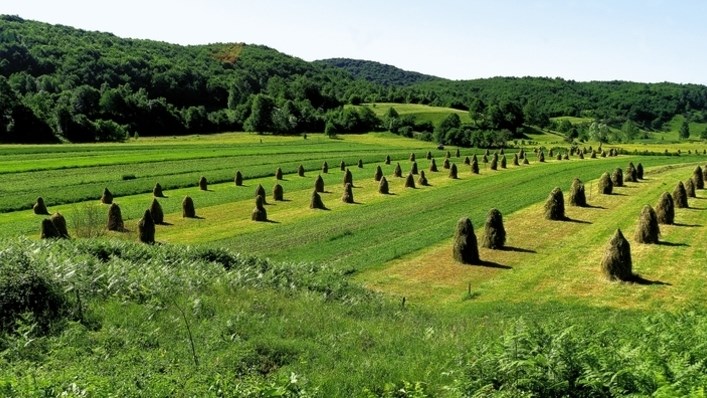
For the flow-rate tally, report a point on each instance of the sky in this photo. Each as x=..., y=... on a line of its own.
x=645, y=41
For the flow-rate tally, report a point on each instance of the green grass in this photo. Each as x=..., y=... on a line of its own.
x=422, y=113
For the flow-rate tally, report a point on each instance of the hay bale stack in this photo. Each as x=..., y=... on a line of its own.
x=319, y=184
x=631, y=174
x=457, y=153
x=503, y=161
x=115, y=219
x=487, y=152
x=704, y=173
x=387, y=159
x=475, y=166
x=48, y=230
x=593, y=155
x=433, y=166
x=581, y=155
x=156, y=212
x=413, y=168
x=639, y=171
x=60, y=224
x=616, y=263
x=238, y=179
x=680, y=196
x=348, y=177
x=515, y=160
x=465, y=248
x=157, y=191
x=690, y=188
x=648, y=229
x=398, y=172
x=39, y=207
x=446, y=163
x=259, y=213
x=551, y=153
x=383, y=186
x=360, y=164
x=107, y=197
x=429, y=155
x=525, y=160
x=188, y=210
x=316, y=201
x=494, y=164
x=300, y=171
x=342, y=166
x=665, y=209
x=603, y=154
x=559, y=156
x=278, y=193
x=474, y=159
x=412, y=156
x=410, y=181
x=577, y=194
x=325, y=167
x=555, y=205
x=541, y=157
x=260, y=191
x=278, y=174
x=698, y=178
x=203, y=184
x=379, y=173
x=485, y=159
x=494, y=232
x=566, y=156
x=617, y=177
x=448, y=155
x=146, y=228
x=453, y=171
x=467, y=161
x=422, y=180
x=606, y=187
x=348, y=197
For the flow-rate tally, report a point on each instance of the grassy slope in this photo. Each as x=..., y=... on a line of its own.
x=422, y=113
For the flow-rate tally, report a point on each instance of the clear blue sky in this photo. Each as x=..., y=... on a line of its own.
x=647, y=41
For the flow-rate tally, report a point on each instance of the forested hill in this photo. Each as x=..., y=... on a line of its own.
x=377, y=72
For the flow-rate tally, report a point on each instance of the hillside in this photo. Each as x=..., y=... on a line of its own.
x=376, y=72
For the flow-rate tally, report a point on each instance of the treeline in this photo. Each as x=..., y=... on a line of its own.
x=376, y=72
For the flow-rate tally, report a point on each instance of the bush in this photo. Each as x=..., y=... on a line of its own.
x=107, y=197
x=238, y=179
x=300, y=171
x=494, y=232
x=433, y=166
x=453, y=171
x=39, y=207
x=555, y=205
x=60, y=224
x=156, y=212
x=648, y=229
x=422, y=180
x=639, y=171
x=383, y=186
x=157, y=191
x=690, y=188
x=48, y=230
x=203, y=184
x=146, y=228
x=577, y=194
x=278, y=174
x=616, y=263
x=188, y=210
x=398, y=172
x=680, y=196
x=316, y=202
x=115, y=219
x=465, y=247
x=410, y=181
x=325, y=167
x=606, y=187
x=348, y=197
x=698, y=178
x=617, y=177
x=87, y=220
x=319, y=184
x=665, y=209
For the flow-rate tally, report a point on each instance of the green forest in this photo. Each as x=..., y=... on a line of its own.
x=60, y=84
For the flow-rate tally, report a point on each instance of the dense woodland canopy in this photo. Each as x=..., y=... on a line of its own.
x=63, y=84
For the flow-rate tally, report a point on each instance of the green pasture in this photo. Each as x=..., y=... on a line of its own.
x=422, y=113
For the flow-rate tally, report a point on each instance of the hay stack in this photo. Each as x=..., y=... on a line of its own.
x=348, y=197
x=379, y=173
x=316, y=201
x=115, y=219
x=387, y=159
x=503, y=161
x=494, y=163
x=39, y=207
x=448, y=155
x=60, y=224
x=260, y=191
x=577, y=194
x=325, y=167
x=457, y=153
x=238, y=179
x=146, y=228
x=690, y=188
x=433, y=166
x=515, y=160
x=648, y=229
x=559, y=156
x=203, y=184
x=446, y=163
x=704, y=173
x=422, y=180
x=383, y=186
x=494, y=232
x=525, y=160
x=278, y=193
x=639, y=171
x=157, y=191
x=665, y=209
x=465, y=248
x=278, y=174
x=453, y=171
x=616, y=263
x=581, y=155
x=617, y=177
x=107, y=197
x=631, y=174
x=467, y=161
x=48, y=230
x=605, y=185
x=410, y=181
x=398, y=172
x=593, y=155
x=413, y=168
x=348, y=177
x=412, y=156
x=259, y=213
x=156, y=212
x=300, y=171
x=360, y=164
x=541, y=157
x=319, y=184
x=555, y=205
x=188, y=210
x=475, y=166
x=698, y=178
x=429, y=155
x=680, y=196
x=551, y=153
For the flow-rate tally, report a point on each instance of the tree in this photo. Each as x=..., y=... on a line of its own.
x=391, y=120
x=476, y=112
x=703, y=134
x=260, y=119
x=452, y=121
x=685, y=130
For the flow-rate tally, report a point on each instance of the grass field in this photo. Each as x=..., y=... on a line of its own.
x=361, y=299
x=422, y=113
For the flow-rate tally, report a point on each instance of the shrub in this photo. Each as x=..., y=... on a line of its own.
x=465, y=247
x=446, y=163
x=316, y=201
x=238, y=179
x=203, y=185
x=107, y=197
x=577, y=194
x=413, y=168
x=39, y=207
x=87, y=221
x=433, y=166
x=665, y=209
x=617, y=177
x=156, y=212
x=605, y=185
x=616, y=263
x=115, y=219
x=300, y=171
x=680, y=196
x=319, y=184
x=398, y=172
x=378, y=174
x=453, y=171
x=639, y=171
x=146, y=228
x=494, y=232
x=277, y=192
x=467, y=161
x=648, y=229
x=690, y=188
x=422, y=180
x=360, y=163
x=325, y=167
x=412, y=156
x=555, y=205
x=348, y=197
x=48, y=230
x=429, y=155
x=383, y=186
x=698, y=178
x=188, y=210
x=259, y=213
x=475, y=166
x=60, y=224
x=348, y=177
x=157, y=191
x=278, y=174
x=410, y=181
x=387, y=159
